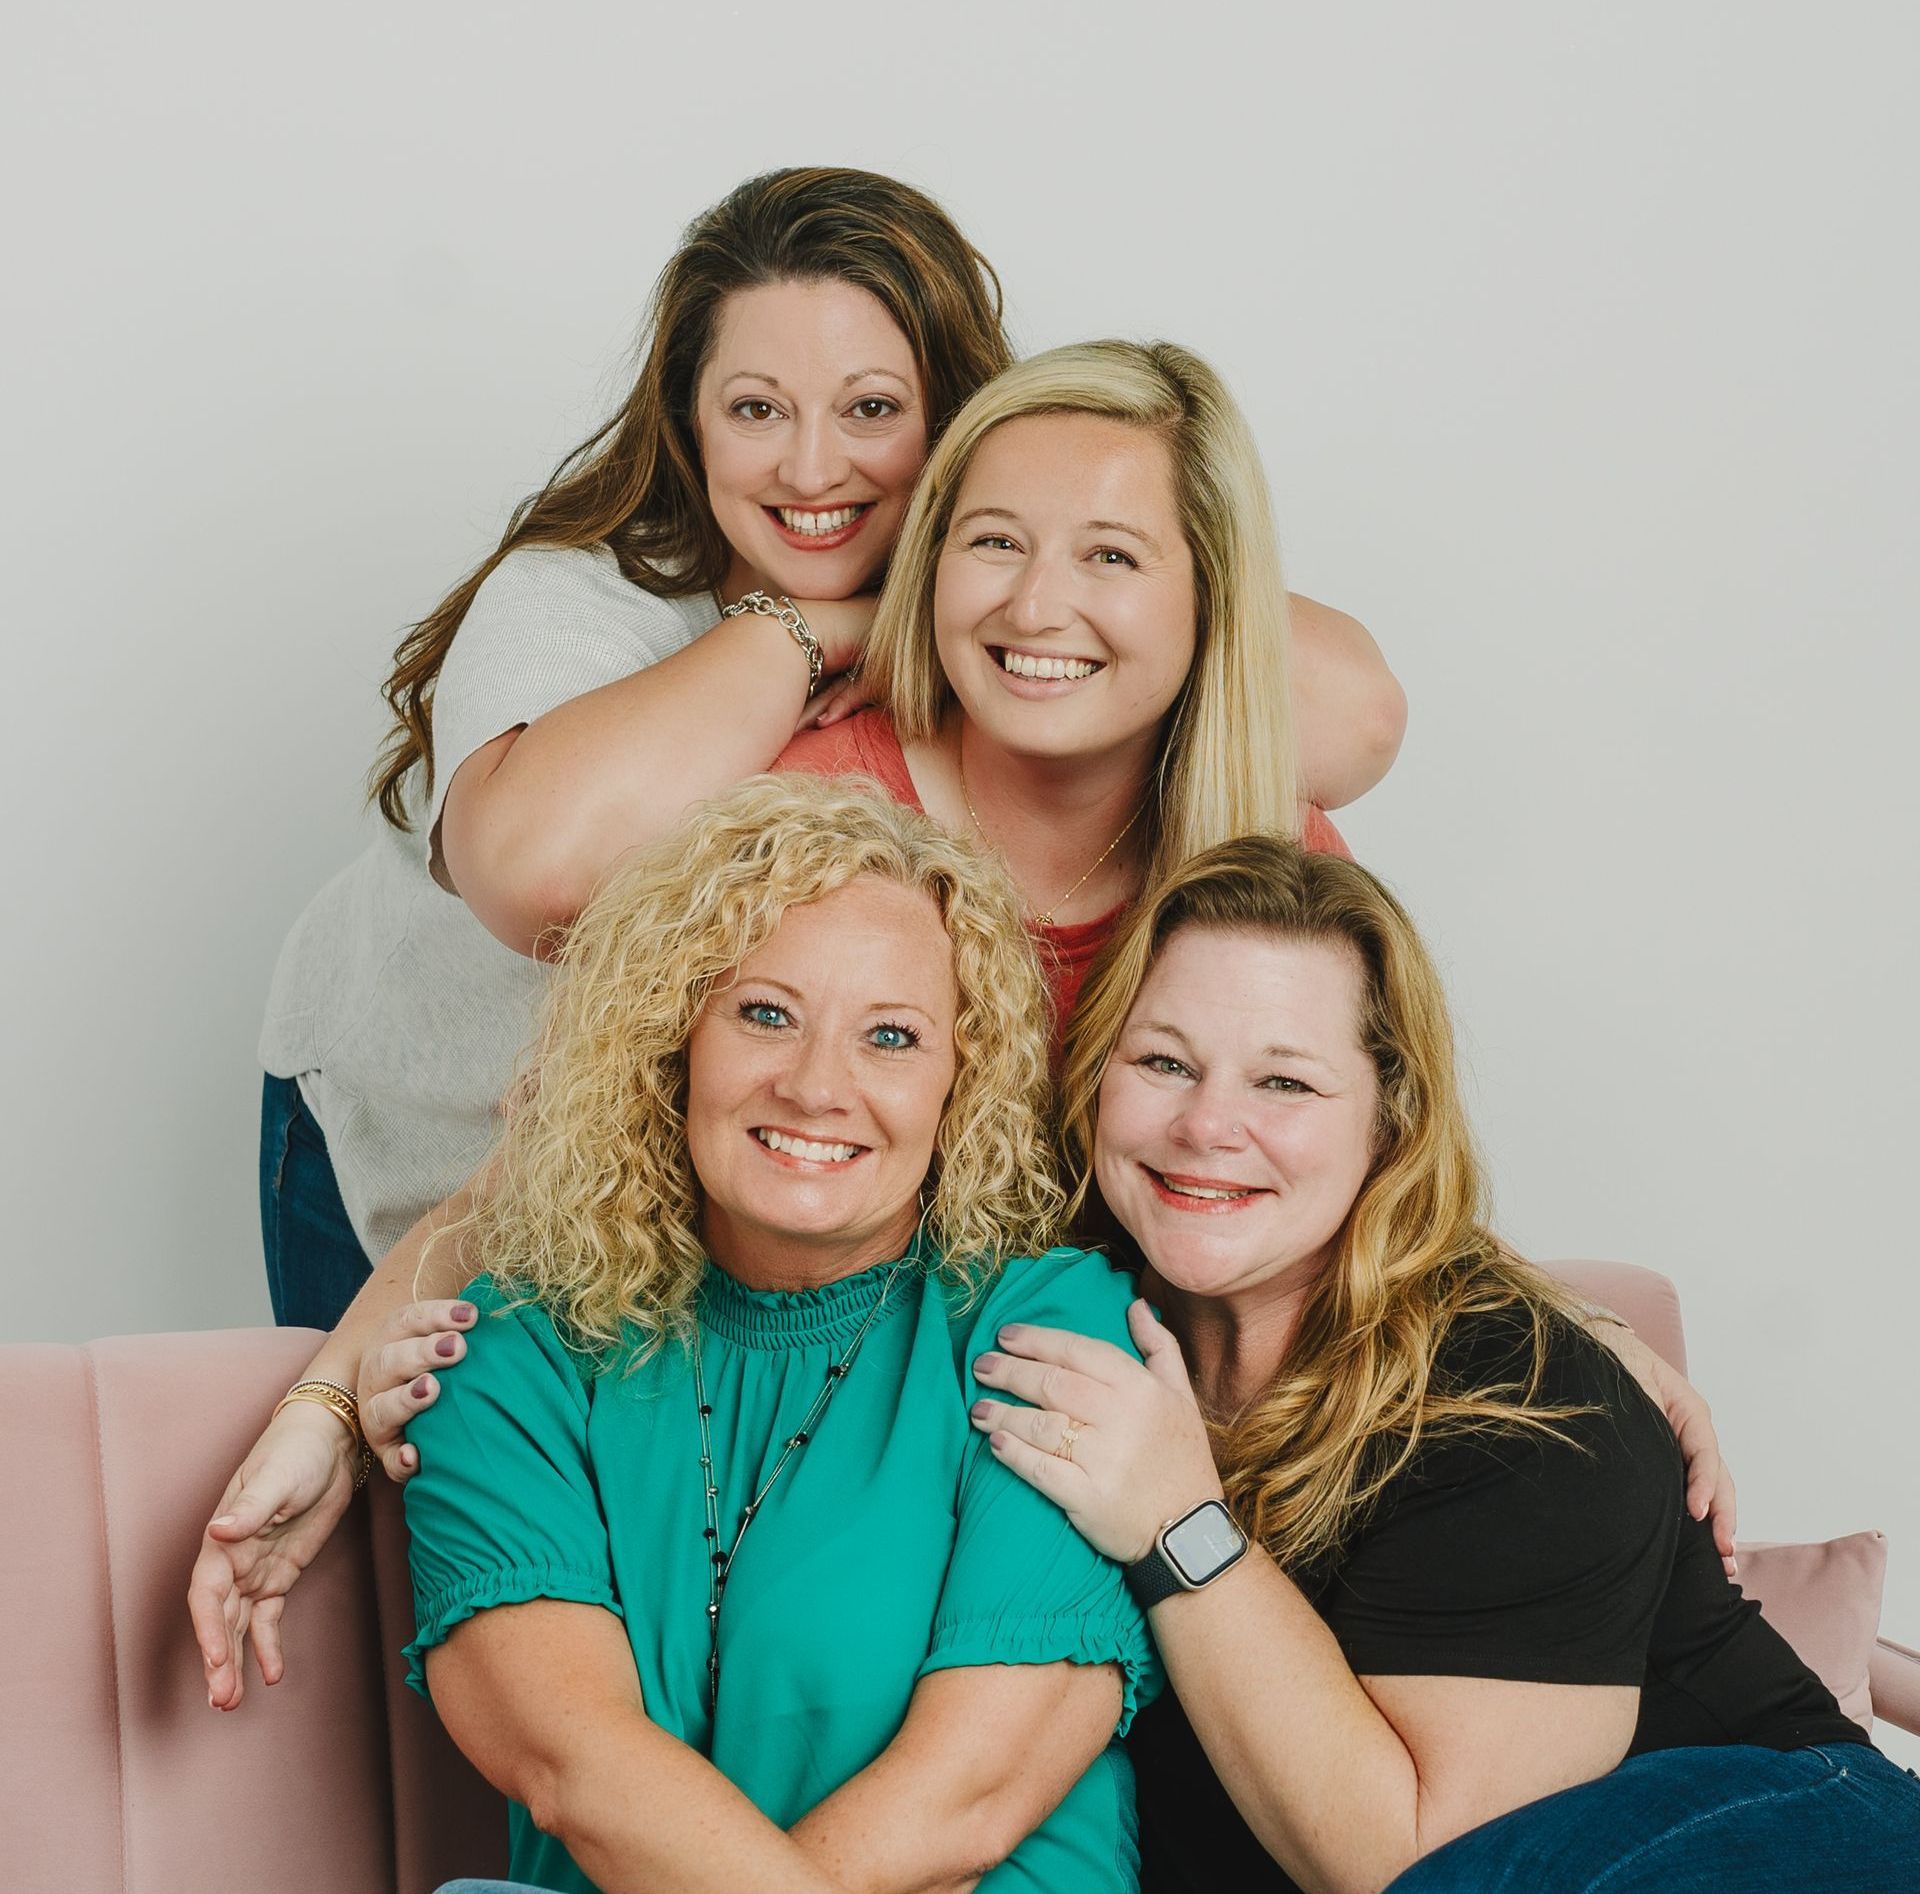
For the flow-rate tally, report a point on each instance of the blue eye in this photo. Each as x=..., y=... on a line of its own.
x=894, y=1038
x=763, y=1014
x=1163, y=1063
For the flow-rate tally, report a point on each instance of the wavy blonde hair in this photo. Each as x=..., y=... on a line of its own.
x=594, y=1206
x=1357, y=1391
x=1228, y=762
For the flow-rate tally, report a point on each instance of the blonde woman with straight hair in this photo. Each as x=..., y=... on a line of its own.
x=1419, y=1555
x=1228, y=759
x=711, y=1573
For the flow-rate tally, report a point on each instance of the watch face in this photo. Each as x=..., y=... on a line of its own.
x=1204, y=1543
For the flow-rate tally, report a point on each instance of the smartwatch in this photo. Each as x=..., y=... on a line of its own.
x=1190, y=1552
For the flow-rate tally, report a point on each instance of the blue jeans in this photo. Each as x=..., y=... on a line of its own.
x=315, y=1264
x=1727, y=1820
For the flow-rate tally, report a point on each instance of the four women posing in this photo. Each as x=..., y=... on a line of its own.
x=775, y=1174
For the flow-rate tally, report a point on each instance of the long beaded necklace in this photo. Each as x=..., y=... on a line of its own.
x=721, y=1563
x=1046, y=919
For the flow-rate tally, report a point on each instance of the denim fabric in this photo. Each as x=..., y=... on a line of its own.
x=314, y=1261
x=1728, y=1820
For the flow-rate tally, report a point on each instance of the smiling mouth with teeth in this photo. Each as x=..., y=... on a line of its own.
x=1044, y=670
x=809, y=523
x=811, y=1150
x=1203, y=1194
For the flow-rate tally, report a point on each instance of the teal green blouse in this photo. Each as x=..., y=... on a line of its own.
x=893, y=1545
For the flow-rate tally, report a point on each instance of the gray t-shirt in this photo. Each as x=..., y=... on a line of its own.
x=400, y=1015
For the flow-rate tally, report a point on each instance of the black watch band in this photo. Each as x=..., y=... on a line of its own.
x=1152, y=1579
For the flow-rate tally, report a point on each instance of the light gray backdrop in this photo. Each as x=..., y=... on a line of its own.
x=1581, y=346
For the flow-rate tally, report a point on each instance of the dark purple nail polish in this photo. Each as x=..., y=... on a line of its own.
x=463, y=1311
x=987, y=1364
x=982, y=1410
x=419, y=1388
x=445, y=1346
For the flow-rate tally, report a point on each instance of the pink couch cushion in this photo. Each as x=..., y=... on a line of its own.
x=1825, y=1601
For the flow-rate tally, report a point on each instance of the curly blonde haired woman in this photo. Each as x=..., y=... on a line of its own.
x=711, y=1574
x=1415, y=1546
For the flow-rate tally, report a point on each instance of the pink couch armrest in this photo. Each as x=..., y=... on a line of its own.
x=1896, y=1685
x=1643, y=1298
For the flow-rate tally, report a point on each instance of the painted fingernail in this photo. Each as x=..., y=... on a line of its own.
x=445, y=1346
x=1010, y=1335
x=419, y=1388
x=987, y=1364
x=982, y=1410
x=463, y=1311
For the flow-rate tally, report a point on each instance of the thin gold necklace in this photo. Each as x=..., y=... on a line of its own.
x=1045, y=919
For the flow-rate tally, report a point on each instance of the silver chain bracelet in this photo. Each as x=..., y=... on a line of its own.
x=788, y=614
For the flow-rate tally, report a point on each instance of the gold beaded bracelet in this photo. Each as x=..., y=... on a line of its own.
x=338, y=1402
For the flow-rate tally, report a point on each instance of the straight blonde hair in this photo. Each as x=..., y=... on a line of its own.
x=1358, y=1390
x=1228, y=764
x=593, y=1209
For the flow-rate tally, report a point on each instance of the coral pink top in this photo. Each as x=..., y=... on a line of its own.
x=865, y=745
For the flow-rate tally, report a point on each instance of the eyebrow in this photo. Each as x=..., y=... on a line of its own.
x=773, y=381
x=1087, y=526
x=1266, y=1052
x=875, y=1006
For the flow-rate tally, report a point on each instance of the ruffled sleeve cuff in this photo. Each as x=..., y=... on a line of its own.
x=438, y=1613
x=1117, y=1637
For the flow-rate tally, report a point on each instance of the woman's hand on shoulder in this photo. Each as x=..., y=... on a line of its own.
x=1138, y=1455
x=1710, y=1490
x=396, y=1379
x=276, y=1514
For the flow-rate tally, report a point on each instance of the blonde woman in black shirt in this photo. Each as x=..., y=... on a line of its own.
x=1473, y=1637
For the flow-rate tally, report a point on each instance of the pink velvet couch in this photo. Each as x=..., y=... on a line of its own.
x=115, y=1777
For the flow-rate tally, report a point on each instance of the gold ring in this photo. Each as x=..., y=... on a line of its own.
x=1065, y=1449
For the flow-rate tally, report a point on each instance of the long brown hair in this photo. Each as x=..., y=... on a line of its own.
x=636, y=482
x=1358, y=1390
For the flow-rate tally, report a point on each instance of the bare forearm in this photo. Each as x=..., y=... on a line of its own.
x=985, y=1756
x=641, y=1812
x=1313, y=1767
x=397, y=1279
x=857, y=1837
x=1348, y=706
x=616, y=768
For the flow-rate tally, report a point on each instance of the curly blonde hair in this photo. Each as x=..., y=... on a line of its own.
x=593, y=1208
x=1357, y=1391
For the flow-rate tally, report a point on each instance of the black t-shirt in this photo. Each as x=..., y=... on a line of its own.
x=1519, y=1556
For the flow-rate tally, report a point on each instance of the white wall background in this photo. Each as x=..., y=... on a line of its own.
x=1581, y=345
